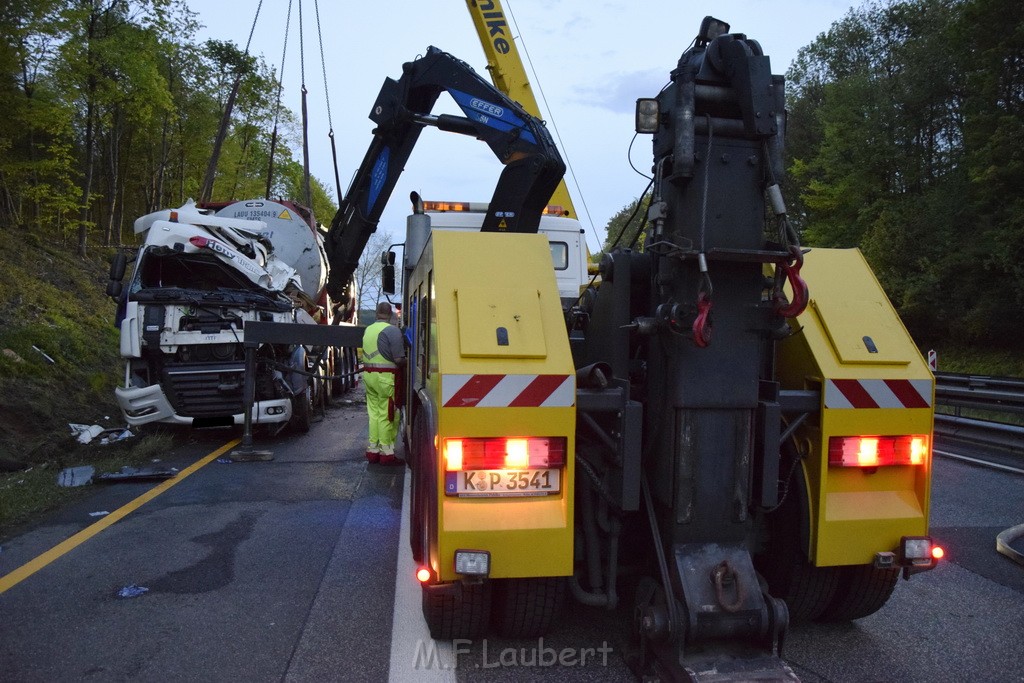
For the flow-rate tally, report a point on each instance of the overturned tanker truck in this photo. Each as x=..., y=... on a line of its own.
x=202, y=274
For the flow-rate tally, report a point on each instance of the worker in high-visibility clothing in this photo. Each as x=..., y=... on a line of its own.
x=383, y=360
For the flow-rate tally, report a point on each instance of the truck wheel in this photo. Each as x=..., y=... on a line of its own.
x=862, y=590
x=459, y=613
x=526, y=608
x=338, y=368
x=302, y=411
x=807, y=590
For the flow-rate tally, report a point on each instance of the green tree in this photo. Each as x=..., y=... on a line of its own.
x=623, y=232
x=878, y=154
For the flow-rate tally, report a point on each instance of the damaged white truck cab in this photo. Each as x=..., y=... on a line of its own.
x=198, y=279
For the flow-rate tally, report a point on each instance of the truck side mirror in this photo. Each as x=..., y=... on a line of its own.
x=387, y=271
x=118, y=265
x=114, y=289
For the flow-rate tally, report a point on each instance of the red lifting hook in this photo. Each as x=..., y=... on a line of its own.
x=702, y=325
x=801, y=295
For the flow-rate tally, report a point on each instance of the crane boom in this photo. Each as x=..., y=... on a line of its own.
x=518, y=139
x=507, y=71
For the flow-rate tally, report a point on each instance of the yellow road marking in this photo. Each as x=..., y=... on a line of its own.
x=29, y=568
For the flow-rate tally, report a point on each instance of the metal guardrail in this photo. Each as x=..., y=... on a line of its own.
x=1004, y=394
x=980, y=392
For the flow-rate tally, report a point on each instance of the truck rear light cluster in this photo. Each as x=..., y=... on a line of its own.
x=877, y=451
x=504, y=453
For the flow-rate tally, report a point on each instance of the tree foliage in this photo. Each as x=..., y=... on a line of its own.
x=111, y=109
x=623, y=229
x=906, y=138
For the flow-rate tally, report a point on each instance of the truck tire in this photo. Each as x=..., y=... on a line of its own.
x=807, y=590
x=419, y=485
x=861, y=590
x=302, y=411
x=526, y=608
x=460, y=613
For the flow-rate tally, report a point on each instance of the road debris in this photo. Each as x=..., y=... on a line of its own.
x=101, y=513
x=114, y=435
x=85, y=433
x=89, y=433
x=76, y=476
x=129, y=473
x=132, y=591
x=43, y=354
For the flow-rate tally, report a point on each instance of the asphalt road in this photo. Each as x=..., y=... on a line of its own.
x=287, y=571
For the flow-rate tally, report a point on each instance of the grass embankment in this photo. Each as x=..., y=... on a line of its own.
x=53, y=303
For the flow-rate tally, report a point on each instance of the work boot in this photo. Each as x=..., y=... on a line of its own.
x=372, y=457
x=388, y=459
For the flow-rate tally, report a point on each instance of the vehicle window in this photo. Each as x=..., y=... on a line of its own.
x=560, y=255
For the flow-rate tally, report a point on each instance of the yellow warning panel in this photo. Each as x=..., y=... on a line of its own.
x=285, y=216
x=863, y=331
x=500, y=322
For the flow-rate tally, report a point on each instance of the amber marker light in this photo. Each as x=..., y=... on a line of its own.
x=517, y=454
x=453, y=455
x=867, y=454
x=938, y=553
x=423, y=575
x=918, y=450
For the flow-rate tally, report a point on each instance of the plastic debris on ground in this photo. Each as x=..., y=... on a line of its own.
x=85, y=433
x=101, y=513
x=128, y=473
x=132, y=591
x=76, y=476
x=43, y=354
x=114, y=435
x=225, y=461
x=89, y=433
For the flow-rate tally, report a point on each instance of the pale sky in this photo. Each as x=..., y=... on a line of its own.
x=590, y=62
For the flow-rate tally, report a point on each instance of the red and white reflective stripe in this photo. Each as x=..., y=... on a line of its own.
x=508, y=391
x=878, y=393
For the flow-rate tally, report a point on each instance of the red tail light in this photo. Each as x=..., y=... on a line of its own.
x=504, y=453
x=877, y=451
x=198, y=241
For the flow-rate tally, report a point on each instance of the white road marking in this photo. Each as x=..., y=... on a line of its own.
x=415, y=656
x=976, y=461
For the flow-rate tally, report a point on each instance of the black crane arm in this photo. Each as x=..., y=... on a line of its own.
x=533, y=166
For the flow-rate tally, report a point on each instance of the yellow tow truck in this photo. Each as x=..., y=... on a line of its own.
x=742, y=423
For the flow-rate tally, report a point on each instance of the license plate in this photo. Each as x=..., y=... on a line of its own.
x=494, y=483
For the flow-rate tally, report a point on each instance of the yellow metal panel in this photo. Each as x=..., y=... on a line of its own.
x=851, y=324
x=485, y=313
x=483, y=280
x=854, y=512
x=862, y=505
